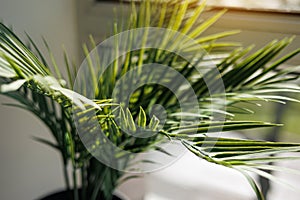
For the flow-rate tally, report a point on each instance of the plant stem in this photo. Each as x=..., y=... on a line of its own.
x=67, y=181
x=84, y=181
x=76, y=196
x=98, y=184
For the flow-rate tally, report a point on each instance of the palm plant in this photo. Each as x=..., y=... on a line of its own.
x=73, y=107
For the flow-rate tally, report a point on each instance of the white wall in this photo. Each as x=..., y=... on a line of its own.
x=29, y=169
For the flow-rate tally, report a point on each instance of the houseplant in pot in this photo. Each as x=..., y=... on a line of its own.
x=154, y=84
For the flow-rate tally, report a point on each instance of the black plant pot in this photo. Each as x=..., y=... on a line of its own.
x=68, y=195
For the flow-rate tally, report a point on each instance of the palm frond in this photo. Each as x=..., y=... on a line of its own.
x=245, y=77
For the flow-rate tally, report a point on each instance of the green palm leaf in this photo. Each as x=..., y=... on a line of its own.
x=247, y=77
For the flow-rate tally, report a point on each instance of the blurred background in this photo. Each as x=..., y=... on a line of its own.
x=29, y=170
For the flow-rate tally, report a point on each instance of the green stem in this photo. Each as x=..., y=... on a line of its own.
x=84, y=181
x=76, y=196
x=67, y=181
x=98, y=184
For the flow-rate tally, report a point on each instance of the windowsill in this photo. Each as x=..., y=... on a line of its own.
x=276, y=22
x=259, y=10
x=287, y=10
